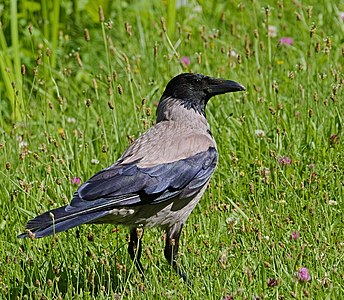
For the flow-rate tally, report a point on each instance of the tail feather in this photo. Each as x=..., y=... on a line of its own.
x=47, y=218
x=58, y=220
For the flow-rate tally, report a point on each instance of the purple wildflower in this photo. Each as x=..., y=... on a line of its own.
x=185, y=60
x=334, y=139
x=341, y=15
x=284, y=160
x=286, y=41
x=303, y=275
x=295, y=235
x=75, y=180
x=272, y=282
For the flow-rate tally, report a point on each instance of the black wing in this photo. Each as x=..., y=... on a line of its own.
x=120, y=180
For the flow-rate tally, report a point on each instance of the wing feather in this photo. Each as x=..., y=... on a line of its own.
x=114, y=182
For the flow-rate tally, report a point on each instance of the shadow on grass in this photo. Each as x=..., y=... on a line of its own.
x=55, y=269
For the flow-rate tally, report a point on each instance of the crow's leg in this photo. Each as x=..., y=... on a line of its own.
x=171, y=248
x=135, y=247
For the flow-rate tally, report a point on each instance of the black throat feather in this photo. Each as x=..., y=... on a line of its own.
x=196, y=105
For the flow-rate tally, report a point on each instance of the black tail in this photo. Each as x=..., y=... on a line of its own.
x=59, y=219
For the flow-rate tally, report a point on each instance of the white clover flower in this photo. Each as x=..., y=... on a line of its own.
x=259, y=133
x=272, y=31
x=23, y=144
x=232, y=53
x=94, y=161
x=71, y=120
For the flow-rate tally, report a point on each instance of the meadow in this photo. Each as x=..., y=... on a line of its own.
x=79, y=83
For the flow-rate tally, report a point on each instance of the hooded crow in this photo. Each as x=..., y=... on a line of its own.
x=158, y=180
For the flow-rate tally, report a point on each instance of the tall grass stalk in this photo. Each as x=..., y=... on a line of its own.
x=171, y=17
x=17, y=100
x=55, y=20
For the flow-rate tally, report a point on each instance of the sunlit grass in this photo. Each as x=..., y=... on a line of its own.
x=280, y=170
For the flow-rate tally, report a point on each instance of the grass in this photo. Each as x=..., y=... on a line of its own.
x=82, y=108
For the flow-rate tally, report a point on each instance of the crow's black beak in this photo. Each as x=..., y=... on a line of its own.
x=219, y=86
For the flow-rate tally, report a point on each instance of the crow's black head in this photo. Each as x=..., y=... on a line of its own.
x=194, y=90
